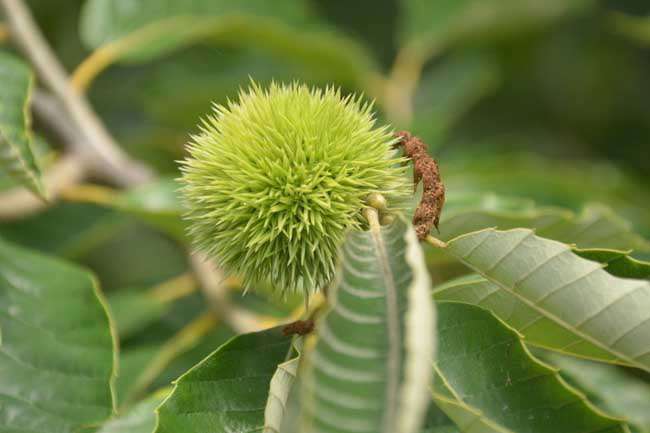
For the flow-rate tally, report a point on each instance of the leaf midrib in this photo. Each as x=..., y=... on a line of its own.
x=392, y=324
x=551, y=316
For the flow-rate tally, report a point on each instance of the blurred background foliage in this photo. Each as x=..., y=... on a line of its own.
x=536, y=104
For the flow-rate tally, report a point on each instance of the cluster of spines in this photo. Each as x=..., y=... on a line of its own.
x=276, y=179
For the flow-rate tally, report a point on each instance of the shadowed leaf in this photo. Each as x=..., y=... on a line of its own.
x=553, y=297
x=57, y=361
x=486, y=381
x=16, y=141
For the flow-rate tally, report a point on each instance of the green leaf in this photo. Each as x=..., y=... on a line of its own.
x=57, y=359
x=16, y=141
x=609, y=387
x=619, y=263
x=555, y=298
x=279, y=391
x=369, y=370
x=556, y=182
x=144, y=30
x=45, y=158
x=69, y=230
x=487, y=381
x=596, y=226
x=433, y=25
x=140, y=419
x=228, y=390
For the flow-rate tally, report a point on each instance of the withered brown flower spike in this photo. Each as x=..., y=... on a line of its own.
x=425, y=169
x=299, y=327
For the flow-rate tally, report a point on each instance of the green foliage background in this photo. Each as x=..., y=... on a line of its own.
x=538, y=116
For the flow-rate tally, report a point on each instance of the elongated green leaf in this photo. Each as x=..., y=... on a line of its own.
x=609, y=387
x=228, y=390
x=432, y=25
x=619, y=263
x=16, y=154
x=144, y=30
x=57, y=355
x=487, y=381
x=44, y=156
x=140, y=419
x=596, y=226
x=369, y=370
x=279, y=391
x=555, y=298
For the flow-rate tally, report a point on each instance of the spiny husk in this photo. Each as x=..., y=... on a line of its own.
x=274, y=181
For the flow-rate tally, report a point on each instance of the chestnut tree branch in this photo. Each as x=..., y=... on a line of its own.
x=211, y=280
x=109, y=161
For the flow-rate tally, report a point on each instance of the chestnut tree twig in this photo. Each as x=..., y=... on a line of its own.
x=109, y=161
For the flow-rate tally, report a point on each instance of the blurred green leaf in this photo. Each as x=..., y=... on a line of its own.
x=609, y=387
x=44, y=156
x=140, y=419
x=228, y=390
x=369, y=370
x=16, y=141
x=147, y=29
x=553, y=297
x=560, y=182
x=432, y=25
x=618, y=263
x=57, y=359
x=595, y=226
x=487, y=381
x=66, y=229
x=136, y=256
x=195, y=79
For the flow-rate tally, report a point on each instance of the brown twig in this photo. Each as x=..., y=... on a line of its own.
x=425, y=170
x=299, y=327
